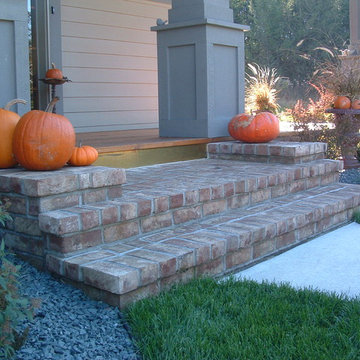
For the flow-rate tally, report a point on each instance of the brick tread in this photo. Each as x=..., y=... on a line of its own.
x=170, y=194
x=212, y=246
x=67, y=179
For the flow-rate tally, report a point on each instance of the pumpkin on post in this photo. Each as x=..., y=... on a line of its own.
x=342, y=102
x=43, y=140
x=355, y=104
x=8, y=122
x=54, y=73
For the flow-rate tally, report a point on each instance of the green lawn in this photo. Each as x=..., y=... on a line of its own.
x=245, y=320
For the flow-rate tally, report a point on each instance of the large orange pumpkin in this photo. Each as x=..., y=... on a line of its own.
x=260, y=128
x=233, y=124
x=43, y=140
x=54, y=73
x=83, y=156
x=8, y=121
x=342, y=102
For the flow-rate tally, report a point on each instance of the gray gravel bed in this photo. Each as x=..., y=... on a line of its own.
x=350, y=176
x=68, y=325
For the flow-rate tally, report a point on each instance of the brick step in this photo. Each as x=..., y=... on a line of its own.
x=276, y=151
x=34, y=192
x=122, y=272
x=167, y=195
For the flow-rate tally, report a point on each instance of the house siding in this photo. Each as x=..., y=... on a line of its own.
x=110, y=55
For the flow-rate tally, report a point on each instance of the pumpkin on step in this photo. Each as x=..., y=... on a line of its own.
x=259, y=128
x=83, y=156
x=259, y=125
x=43, y=140
x=8, y=121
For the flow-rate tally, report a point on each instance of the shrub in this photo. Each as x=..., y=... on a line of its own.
x=13, y=307
x=313, y=124
x=4, y=215
x=356, y=216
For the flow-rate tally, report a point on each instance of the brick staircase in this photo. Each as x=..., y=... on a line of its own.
x=124, y=239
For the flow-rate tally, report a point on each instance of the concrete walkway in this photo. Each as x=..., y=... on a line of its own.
x=328, y=263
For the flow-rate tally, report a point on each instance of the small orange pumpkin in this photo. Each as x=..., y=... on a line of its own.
x=260, y=128
x=342, y=102
x=8, y=121
x=83, y=156
x=355, y=104
x=54, y=73
x=43, y=140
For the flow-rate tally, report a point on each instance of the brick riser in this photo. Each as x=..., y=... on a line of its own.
x=122, y=273
x=75, y=229
x=31, y=193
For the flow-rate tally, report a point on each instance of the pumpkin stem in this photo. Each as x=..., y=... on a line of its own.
x=13, y=102
x=53, y=66
x=50, y=107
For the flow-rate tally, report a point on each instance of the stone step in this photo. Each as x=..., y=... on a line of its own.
x=124, y=271
x=168, y=195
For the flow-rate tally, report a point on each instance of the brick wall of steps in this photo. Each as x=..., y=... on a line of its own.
x=122, y=236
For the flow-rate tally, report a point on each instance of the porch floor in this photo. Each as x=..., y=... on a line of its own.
x=134, y=148
x=127, y=140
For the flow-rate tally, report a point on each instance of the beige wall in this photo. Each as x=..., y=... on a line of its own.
x=110, y=55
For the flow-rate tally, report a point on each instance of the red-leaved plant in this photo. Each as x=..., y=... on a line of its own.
x=313, y=124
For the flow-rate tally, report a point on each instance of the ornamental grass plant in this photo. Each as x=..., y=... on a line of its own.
x=340, y=77
x=261, y=93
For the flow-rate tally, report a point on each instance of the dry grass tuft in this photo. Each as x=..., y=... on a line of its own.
x=261, y=92
x=341, y=78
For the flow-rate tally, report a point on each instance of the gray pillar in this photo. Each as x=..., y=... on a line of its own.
x=46, y=27
x=201, y=69
x=14, y=57
x=350, y=59
x=354, y=27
